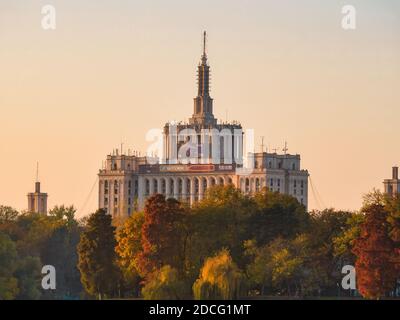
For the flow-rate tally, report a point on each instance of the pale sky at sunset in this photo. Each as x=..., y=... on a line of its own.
x=113, y=69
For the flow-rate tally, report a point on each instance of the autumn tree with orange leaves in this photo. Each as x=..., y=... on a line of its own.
x=162, y=235
x=375, y=250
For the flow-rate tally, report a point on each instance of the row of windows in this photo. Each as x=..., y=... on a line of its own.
x=280, y=164
x=114, y=166
x=106, y=203
x=278, y=183
x=116, y=186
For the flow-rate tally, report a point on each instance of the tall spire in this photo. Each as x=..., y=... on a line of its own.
x=204, y=57
x=203, y=103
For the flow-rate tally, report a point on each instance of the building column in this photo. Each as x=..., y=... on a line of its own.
x=141, y=187
x=151, y=186
x=192, y=191
x=176, y=188
x=201, y=186
x=184, y=189
x=159, y=186
x=167, y=187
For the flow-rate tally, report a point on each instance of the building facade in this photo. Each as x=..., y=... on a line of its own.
x=37, y=201
x=392, y=186
x=197, y=155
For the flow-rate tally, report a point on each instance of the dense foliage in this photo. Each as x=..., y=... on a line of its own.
x=227, y=246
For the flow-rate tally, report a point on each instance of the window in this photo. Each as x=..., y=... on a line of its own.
x=106, y=201
x=270, y=165
x=115, y=187
x=295, y=183
x=272, y=183
x=279, y=182
x=295, y=191
x=293, y=166
x=301, y=192
x=302, y=183
x=115, y=166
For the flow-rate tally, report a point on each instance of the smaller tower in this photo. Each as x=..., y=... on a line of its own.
x=37, y=201
x=392, y=186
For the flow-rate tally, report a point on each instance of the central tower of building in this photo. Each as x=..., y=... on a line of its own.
x=203, y=103
x=215, y=142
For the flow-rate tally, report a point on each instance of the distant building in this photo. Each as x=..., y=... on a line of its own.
x=392, y=186
x=127, y=180
x=37, y=201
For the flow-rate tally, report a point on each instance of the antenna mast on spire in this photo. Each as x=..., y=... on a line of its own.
x=204, y=42
x=37, y=171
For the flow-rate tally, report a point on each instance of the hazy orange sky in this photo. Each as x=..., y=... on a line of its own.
x=112, y=70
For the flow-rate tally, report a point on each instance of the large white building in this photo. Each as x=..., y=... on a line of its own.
x=195, y=156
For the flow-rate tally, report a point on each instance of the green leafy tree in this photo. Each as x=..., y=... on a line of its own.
x=343, y=243
x=278, y=215
x=8, y=222
x=7, y=214
x=97, y=258
x=29, y=278
x=8, y=259
x=220, y=220
x=325, y=227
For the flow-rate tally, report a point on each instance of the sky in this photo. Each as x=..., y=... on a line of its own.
x=113, y=69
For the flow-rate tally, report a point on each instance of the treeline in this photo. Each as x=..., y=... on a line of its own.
x=231, y=245
x=228, y=246
x=29, y=241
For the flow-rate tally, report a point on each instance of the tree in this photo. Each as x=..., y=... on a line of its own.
x=165, y=284
x=129, y=245
x=8, y=258
x=393, y=207
x=97, y=258
x=162, y=235
x=64, y=213
x=374, y=250
x=7, y=214
x=220, y=278
x=8, y=222
x=220, y=220
x=344, y=242
x=29, y=278
x=325, y=226
x=279, y=215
